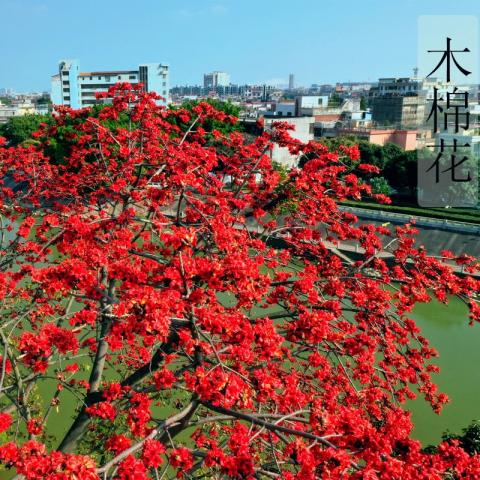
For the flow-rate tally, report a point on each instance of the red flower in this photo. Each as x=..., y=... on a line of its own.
x=152, y=453
x=181, y=459
x=132, y=469
x=34, y=426
x=5, y=421
x=118, y=443
x=103, y=410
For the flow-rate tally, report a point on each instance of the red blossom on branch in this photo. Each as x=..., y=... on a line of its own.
x=194, y=305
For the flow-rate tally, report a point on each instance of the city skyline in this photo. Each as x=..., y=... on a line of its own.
x=342, y=49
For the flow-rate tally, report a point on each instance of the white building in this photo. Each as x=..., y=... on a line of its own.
x=77, y=89
x=216, y=79
x=17, y=109
x=406, y=86
x=285, y=109
x=304, y=129
x=312, y=101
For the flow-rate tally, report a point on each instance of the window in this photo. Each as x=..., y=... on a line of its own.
x=107, y=79
x=143, y=76
x=164, y=84
x=66, y=89
x=65, y=73
x=91, y=78
x=132, y=77
x=91, y=86
x=99, y=78
x=119, y=77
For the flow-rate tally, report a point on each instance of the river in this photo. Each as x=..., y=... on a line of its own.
x=447, y=328
x=458, y=344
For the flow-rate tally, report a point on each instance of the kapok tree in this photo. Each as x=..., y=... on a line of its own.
x=177, y=308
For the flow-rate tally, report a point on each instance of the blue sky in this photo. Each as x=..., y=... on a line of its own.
x=321, y=41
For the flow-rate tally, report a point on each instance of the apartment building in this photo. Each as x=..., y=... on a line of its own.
x=77, y=89
x=398, y=111
x=216, y=79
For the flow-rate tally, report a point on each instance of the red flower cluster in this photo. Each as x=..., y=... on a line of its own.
x=176, y=287
x=5, y=421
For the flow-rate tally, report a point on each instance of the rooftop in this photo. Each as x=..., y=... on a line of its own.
x=112, y=72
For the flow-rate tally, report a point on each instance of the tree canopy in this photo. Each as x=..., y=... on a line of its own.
x=399, y=167
x=226, y=107
x=154, y=294
x=20, y=128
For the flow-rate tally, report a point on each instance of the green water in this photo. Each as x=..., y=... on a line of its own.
x=448, y=331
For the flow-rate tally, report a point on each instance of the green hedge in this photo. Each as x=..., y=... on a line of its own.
x=459, y=215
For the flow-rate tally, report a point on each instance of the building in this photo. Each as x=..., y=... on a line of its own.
x=408, y=86
x=16, y=109
x=310, y=105
x=318, y=106
x=304, y=129
x=77, y=89
x=231, y=92
x=291, y=81
x=405, y=139
x=398, y=111
x=406, y=102
x=284, y=109
x=216, y=79
x=396, y=86
x=6, y=92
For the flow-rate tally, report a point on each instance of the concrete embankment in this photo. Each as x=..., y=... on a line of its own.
x=434, y=235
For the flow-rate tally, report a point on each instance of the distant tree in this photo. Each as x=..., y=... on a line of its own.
x=401, y=172
x=469, y=439
x=18, y=129
x=453, y=190
x=372, y=154
x=45, y=98
x=380, y=185
x=399, y=167
x=333, y=143
x=391, y=151
x=335, y=100
x=363, y=103
x=6, y=100
x=57, y=140
x=226, y=107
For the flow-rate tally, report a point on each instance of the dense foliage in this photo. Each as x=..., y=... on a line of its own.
x=20, y=129
x=399, y=167
x=200, y=329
